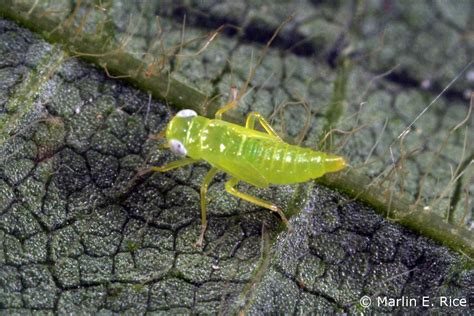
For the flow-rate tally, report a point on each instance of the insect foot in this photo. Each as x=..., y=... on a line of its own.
x=276, y=209
x=198, y=243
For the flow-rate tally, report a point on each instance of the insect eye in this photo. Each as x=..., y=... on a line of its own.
x=177, y=147
x=186, y=113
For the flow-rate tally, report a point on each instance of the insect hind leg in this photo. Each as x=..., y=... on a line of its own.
x=250, y=123
x=230, y=187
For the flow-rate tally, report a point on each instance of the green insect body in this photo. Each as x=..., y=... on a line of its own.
x=246, y=154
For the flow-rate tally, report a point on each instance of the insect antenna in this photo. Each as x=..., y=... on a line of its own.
x=160, y=136
x=253, y=70
x=408, y=128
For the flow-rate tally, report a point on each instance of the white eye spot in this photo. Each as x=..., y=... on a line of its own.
x=186, y=113
x=177, y=147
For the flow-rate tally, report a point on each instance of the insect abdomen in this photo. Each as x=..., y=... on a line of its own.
x=233, y=149
x=282, y=163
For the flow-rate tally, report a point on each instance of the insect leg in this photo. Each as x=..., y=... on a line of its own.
x=229, y=106
x=204, y=186
x=167, y=167
x=250, y=123
x=230, y=187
